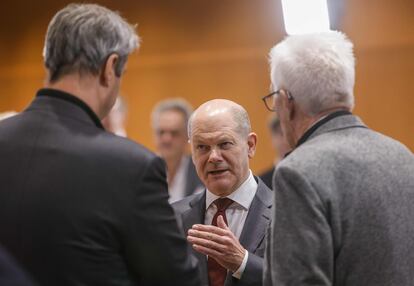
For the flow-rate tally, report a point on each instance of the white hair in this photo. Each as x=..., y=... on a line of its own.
x=317, y=69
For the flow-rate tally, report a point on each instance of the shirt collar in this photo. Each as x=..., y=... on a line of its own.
x=243, y=195
x=72, y=99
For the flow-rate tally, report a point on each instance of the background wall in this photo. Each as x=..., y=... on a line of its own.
x=200, y=50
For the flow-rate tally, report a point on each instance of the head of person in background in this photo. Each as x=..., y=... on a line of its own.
x=7, y=114
x=169, y=123
x=279, y=143
x=115, y=120
x=344, y=190
x=231, y=214
x=280, y=146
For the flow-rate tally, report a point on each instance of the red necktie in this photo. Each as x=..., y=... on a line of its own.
x=216, y=272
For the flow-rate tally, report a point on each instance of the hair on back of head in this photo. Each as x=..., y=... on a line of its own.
x=81, y=37
x=317, y=69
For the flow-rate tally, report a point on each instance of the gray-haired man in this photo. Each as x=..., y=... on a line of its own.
x=169, y=122
x=78, y=205
x=345, y=195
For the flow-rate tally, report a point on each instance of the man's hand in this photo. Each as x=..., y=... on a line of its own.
x=219, y=243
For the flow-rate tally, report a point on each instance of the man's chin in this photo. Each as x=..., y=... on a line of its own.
x=220, y=187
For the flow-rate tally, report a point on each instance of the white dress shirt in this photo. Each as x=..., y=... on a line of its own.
x=236, y=213
x=176, y=188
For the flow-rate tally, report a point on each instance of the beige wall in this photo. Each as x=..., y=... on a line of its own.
x=201, y=50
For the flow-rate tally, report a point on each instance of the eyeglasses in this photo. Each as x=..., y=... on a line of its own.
x=269, y=101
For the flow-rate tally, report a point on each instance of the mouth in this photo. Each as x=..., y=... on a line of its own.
x=217, y=172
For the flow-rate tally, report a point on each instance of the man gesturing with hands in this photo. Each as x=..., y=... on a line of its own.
x=226, y=223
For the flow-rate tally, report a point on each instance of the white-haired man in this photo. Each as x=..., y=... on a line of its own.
x=345, y=194
x=78, y=205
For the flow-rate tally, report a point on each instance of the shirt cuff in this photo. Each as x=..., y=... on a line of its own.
x=239, y=272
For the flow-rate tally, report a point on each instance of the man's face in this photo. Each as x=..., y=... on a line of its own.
x=220, y=153
x=171, y=135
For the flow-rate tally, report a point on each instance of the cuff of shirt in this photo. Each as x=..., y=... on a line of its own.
x=239, y=272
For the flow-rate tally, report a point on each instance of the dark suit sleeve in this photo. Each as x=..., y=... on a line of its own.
x=10, y=273
x=301, y=250
x=156, y=251
x=253, y=273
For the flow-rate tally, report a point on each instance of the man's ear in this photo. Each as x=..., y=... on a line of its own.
x=108, y=70
x=251, y=143
x=287, y=102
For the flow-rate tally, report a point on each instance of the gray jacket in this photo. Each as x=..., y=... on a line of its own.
x=344, y=212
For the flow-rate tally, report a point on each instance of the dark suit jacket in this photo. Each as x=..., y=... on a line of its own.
x=80, y=206
x=267, y=177
x=191, y=210
x=10, y=273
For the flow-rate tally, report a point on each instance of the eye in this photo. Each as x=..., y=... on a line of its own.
x=202, y=148
x=225, y=145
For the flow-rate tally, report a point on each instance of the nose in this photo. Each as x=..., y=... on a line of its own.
x=165, y=137
x=215, y=156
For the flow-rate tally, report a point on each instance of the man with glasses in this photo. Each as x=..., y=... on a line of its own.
x=344, y=197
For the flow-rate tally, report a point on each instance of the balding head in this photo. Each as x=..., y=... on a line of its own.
x=216, y=109
x=221, y=145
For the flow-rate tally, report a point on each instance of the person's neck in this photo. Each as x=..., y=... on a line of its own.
x=83, y=88
x=305, y=122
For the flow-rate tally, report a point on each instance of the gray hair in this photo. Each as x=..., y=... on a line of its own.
x=240, y=117
x=80, y=37
x=175, y=104
x=317, y=69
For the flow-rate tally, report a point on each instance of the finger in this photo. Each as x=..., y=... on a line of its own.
x=207, y=243
x=209, y=228
x=223, y=240
x=221, y=223
x=208, y=251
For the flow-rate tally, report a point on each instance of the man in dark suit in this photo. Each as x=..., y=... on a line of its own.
x=227, y=221
x=78, y=205
x=169, y=123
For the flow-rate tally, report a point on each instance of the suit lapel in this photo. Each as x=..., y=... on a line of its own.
x=257, y=219
x=195, y=215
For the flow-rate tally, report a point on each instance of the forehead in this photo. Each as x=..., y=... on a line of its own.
x=170, y=119
x=213, y=127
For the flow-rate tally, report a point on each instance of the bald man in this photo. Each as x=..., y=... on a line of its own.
x=226, y=223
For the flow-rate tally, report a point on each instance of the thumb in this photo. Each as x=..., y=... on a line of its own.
x=221, y=223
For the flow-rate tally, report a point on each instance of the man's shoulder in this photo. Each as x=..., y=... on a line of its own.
x=125, y=146
x=187, y=203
